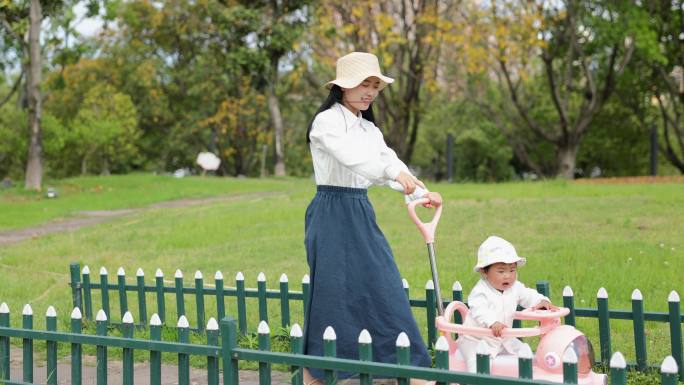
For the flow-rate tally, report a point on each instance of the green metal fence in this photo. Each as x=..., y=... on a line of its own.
x=221, y=349
x=83, y=289
x=128, y=343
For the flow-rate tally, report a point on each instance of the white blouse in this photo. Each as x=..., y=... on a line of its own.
x=349, y=151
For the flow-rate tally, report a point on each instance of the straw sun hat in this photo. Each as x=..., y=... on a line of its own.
x=354, y=68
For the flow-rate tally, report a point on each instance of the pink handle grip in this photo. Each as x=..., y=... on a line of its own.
x=442, y=323
x=426, y=229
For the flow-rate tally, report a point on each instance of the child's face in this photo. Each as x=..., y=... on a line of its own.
x=501, y=275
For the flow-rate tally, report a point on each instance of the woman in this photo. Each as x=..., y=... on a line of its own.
x=355, y=283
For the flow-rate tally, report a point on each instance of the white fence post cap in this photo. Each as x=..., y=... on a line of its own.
x=159, y=273
x=121, y=271
x=442, y=344
x=602, y=293
x=673, y=297
x=570, y=357
x=429, y=285
x=4, y=309
x=183, y=322
x=283, y=278
x=618, y=361
x=100, y=316
x=669, y=366
x=405, y=283
x=365, y=337
x=637, y=296
x=239, y=276
x=139, y=272
x=155, y=320
x=457, y=286
x=212, y=324
x=525, y=352
x=261, y=277
x=567, y=292
x=178, y=274
x=27, y=310
x=103, y=271
x=306, y=279
x=86, y=270
x=263, y=328
x=403, y=340
x=329, y=334
x=76, y=313
x=127, y=318
x=218, y=276
x=198, y=275
x=296, y=331
x=51, y=312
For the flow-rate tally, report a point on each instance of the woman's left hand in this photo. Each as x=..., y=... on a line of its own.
x=435, y=199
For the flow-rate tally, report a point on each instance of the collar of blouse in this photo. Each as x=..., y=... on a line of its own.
x=351, y=120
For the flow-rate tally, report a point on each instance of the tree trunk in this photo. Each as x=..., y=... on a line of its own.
x=34, y=166
x=276, y=119
x=566, y=159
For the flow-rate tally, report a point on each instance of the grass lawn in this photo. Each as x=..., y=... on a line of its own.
x=620, y=237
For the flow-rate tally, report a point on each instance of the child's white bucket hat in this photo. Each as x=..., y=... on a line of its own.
x=354, y=68
x=495, y=249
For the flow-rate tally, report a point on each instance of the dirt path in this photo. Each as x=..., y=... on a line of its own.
x=89, y=218
x=115, y=375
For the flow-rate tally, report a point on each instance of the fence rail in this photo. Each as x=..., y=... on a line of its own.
x=83, y=289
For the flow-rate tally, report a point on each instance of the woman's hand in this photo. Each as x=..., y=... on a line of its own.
x=407, y=181
x=435, y=199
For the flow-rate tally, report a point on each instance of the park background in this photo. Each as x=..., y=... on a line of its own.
x=534, y=94
x=524, y=88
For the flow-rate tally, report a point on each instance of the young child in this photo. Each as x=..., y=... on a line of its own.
x=495, y=298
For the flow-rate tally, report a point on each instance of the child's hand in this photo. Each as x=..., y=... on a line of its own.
x=497, y=328
x=544, y=304
x=435, y=199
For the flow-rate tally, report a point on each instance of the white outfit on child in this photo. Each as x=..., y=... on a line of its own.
x=488, y=306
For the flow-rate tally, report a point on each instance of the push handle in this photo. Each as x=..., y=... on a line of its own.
x=426, y=229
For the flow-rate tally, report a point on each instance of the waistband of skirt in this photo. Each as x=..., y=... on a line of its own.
x=341, y=190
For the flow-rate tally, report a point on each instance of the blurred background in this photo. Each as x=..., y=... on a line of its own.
x=484, y=90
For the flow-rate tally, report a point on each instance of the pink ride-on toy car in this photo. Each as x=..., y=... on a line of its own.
x=548, y=361
x=555, y=338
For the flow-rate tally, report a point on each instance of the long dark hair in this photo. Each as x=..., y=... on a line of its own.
x=335, y=96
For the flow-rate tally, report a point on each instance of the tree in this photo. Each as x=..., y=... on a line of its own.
x=12, y=16
x=240, y=123
x=667, y=78
x=581, y=48
x=282, y=24
x=22, y=30
x=105, y=129
x=406, y=36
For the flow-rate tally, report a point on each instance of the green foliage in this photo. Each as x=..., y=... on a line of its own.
x=480, y=150
x=13, y=141
x=105, y=130
x=617, y=144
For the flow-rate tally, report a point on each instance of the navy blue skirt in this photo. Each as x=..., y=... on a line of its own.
x=355, y=283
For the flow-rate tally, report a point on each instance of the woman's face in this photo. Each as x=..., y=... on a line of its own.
x=361, y=96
